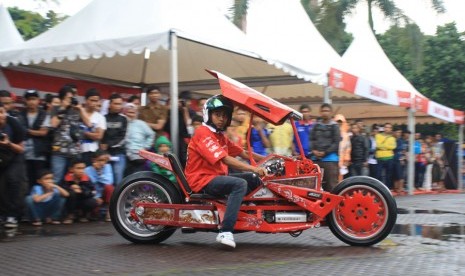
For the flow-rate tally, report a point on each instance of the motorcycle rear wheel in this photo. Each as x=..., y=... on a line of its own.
x=367, y=213
x=136, y=188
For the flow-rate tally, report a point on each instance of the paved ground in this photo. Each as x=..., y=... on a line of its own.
x=429, y=239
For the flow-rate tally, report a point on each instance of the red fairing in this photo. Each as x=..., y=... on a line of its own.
x=260, y=104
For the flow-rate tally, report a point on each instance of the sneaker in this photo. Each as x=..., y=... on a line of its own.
x=11, y=222
x=226, y=238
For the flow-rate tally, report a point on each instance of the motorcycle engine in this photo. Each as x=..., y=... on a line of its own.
x=275, y=166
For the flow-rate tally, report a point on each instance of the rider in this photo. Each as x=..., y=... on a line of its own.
x=210, y=153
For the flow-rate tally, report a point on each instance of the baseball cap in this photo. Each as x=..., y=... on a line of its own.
x=31, y=93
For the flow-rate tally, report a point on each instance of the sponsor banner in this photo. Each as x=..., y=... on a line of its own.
x=404, y=98
x=342, y=80
x=375, y=92
x=18, y=81
x=442, y=112
x=459, y=116
x=421, y=104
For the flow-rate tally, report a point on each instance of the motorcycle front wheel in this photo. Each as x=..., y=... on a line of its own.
x=367, y=213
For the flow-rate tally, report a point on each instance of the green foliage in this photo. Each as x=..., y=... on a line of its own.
x=31, y=24
x=449, y=131
x=442, y=79
x=404, y=47
x=239, y=13
x=433, y=64
x=328, y=19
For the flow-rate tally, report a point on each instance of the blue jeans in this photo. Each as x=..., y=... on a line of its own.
x=119, y=167
x=236, y=186
x=49, y=209
x=59, y=167
x=385, y=171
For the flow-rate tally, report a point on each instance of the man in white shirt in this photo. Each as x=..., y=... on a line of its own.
x=94, y=133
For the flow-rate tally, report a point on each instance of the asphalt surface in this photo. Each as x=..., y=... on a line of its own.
x=428, y=239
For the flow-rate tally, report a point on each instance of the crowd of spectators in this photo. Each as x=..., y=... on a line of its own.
x=60, y=159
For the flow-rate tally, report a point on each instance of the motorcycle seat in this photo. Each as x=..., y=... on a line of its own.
x=182, y=177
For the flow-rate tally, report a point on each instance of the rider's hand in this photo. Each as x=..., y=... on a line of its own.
x=261, y=171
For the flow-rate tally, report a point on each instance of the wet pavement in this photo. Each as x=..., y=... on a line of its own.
x=428, y=239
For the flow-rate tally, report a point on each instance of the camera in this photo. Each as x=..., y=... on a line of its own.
x=183, y=103
x=2, y=136
x=74, y=101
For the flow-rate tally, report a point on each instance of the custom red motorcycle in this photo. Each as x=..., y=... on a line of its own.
x=148, y=208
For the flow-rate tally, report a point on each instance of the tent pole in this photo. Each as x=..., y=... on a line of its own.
x=460, y=159
x=411, y=151
x=327, y=94
x=174, y=93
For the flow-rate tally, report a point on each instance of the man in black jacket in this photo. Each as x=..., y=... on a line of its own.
x=12, y=135
x=114, y=137
x=36, y=122
x=359, y=153
x=324, y=143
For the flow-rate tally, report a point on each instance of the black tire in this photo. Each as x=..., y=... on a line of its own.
x=367, y=213
x=148, y=187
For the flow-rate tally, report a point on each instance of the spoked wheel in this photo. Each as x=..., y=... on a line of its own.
x=367, y=213
x=141, y=187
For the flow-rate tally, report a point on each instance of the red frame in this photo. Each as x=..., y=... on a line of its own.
x=285, y=197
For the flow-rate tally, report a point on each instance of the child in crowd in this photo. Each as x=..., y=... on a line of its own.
x=101, y=175
x=81, y=192
x=162, y=146
x=46, y=200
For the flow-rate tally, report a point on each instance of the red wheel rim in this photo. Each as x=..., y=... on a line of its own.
x=362, y=213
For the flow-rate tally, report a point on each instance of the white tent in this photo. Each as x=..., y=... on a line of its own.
x=8, y=32
x=365, y=70
x=282, y=31
x=146, y=41
x=129, y=42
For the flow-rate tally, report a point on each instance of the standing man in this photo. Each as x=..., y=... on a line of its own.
x=114, y=137
x=324, y=142
x=399, y=161
x=304, y=128
x=66, y=120
x=138, y=136
x=36, y=122
x=281, y=138
x=183, y=133
x=154, y=113
x=12, y=135
x=385, y=145
x=93, y=133
x=210, y=154
x=359, y=153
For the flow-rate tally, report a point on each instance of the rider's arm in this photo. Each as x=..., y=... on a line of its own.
x=239, y=165
x=257, y=157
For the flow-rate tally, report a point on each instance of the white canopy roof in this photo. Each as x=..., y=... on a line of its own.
x=282, y=31
x=108, y=39
x=365, y=70
x=8, y=32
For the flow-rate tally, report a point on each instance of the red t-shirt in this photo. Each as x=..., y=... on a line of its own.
x=204, y=157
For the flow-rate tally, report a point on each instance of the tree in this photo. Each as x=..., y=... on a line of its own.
x=31, y=24
x=442, y=79
x=388, y=8
x=239, y=13
x=329, y=20
x=404, y=47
